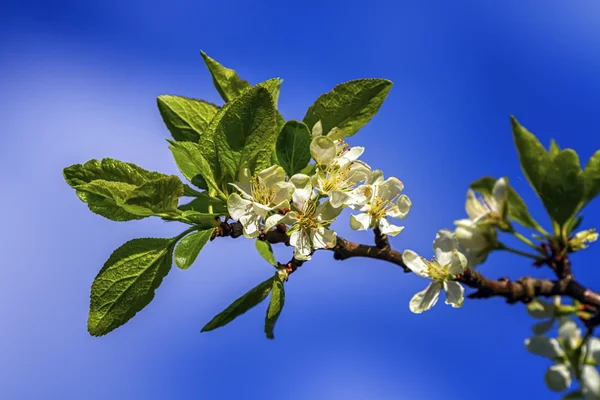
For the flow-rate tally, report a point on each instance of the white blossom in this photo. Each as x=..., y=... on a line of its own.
x=569, y=362
x=447, y=264
x=340, y=183
x=492, y=207
x=384, y=200
x=309, y=219
x=259, y=195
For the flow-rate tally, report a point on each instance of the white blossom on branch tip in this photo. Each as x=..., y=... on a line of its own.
x=447, y=264
x=384, y=200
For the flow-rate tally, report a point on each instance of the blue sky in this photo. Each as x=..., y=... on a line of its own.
x=79, y=81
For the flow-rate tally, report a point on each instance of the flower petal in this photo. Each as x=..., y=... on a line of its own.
x=475, y=210
x=569, y=332
x=590, y=382
x=500, y=194
x=558, y=378
x=317, y=129
x=323, y=150
x=443, y=246
x=251, y=224
x=360, y=222
x=273, y=220
x=471, y=236
x=544, y=346
x=401, y=208
x=592, y=349
x=390, y=189
x=302, y=247
x=326, y=212
x=389, y=229
x=283, y=191
x=338, y=198
x=303, y=190
x=271, y=175
x=425, y=299
x=416, y=264
x=323, y=238
x=455, y=293
x=376, y=177
x=458, y=263
x=237, y=206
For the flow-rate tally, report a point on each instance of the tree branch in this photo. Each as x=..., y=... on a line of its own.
x=521, y=290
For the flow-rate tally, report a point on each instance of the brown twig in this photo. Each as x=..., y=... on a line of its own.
x=521, y=290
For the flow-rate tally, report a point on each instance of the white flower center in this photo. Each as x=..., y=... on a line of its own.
x=380, y=208
x=260, y=193
x=437, y=272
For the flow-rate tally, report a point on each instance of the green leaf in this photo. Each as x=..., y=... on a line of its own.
x=554, y=149
x=517, y=209
x=245, y=135
x=266, y=251
x=191, y=162
x=107, y=198
x=189, y=247
x=109, y=170
x=185, y=118
x=349, y=106
x=563, y=186
x=249, y=300
x=127, y=281
x=557, y=180
x=189, y=191
x=273, y=86
x=293, y=147
x=104, y=185
x=591, y=179
x=159, y=196
x=203, y=203
x=226, y=81
x=208, y=220
x=275, y=306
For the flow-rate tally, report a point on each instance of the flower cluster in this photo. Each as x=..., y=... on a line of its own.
x=307, y=205
x=574, y=357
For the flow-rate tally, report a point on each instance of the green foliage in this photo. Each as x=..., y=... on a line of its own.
x=556, y=178
x=591, y=179
x=266, y=251
x=349, y=106
x=189, y=247
x=185, y=118
x=293, y=147
x=249, y=300
x=123, y=191
x=245, y=135
x=275, y=305
x=127, y=281
x=204, y=203
x=192, y=163
x=517, y=209
x=226, y=81
x=204, y=220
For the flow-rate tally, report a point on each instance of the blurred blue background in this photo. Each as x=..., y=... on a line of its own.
x=79, y=81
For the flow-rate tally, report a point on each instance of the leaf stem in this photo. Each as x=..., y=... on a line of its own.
x=502, y=246
x=527, y=241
